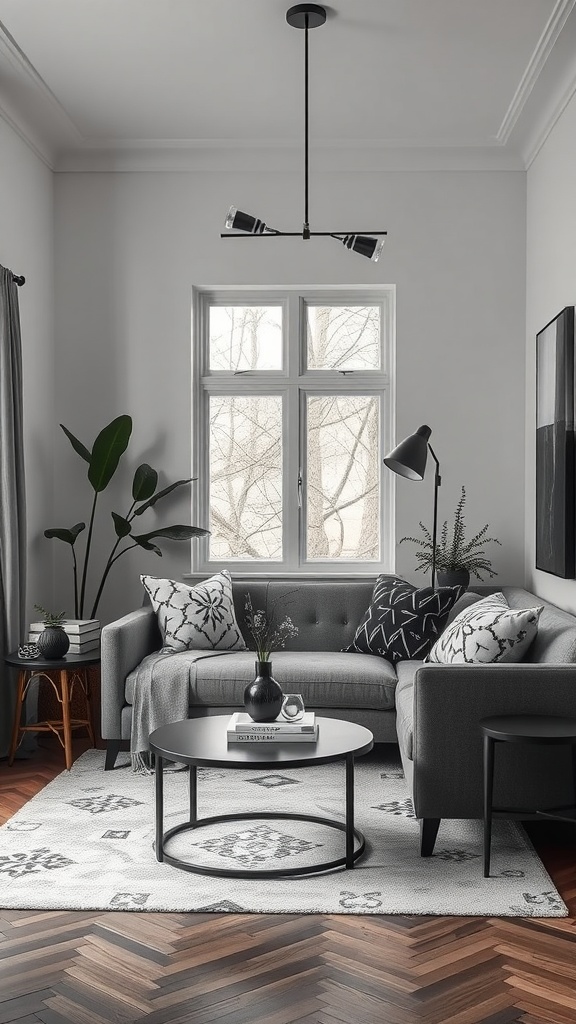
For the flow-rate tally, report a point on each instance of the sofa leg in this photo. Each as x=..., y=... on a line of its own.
x=112, y=751
x=428, y=832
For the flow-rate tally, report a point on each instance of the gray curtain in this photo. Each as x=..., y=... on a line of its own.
x=12, y=498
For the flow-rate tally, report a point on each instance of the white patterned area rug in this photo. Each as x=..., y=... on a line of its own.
x=86, y=842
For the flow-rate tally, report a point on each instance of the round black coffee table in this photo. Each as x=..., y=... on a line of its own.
x=522, y=729
x=203, y=743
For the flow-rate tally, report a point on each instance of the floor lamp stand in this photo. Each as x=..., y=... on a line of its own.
x=437, y=482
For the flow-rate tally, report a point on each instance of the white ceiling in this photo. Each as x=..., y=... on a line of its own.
x=86, y=76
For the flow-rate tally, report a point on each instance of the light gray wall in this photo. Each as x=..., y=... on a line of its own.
x=550, y=285
x=129, y=247
x=27, y=247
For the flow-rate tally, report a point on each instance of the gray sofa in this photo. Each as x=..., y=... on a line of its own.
x=431, y=711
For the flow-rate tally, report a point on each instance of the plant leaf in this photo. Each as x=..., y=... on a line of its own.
x=172, y=533
x=121, y=525
x=147, y=545
x=77, y=445
x=109, y=446
x=68, y=536
x=161, y=494
x=144, y=483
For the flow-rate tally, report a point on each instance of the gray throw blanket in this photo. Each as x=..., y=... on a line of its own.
x=161, y=696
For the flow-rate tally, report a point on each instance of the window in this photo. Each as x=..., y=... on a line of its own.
x=292, y=413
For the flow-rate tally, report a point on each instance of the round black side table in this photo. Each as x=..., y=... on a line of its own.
x=62, y=674
x=527, y=730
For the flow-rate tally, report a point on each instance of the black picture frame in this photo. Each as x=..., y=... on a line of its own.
x=555, y=447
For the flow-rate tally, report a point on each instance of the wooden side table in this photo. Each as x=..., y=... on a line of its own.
x=527, y=730
x=64, y=674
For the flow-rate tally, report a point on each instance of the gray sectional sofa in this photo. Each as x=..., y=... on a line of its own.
x=431, y=711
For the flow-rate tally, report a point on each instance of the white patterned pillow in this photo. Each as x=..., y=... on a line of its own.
x=487, y=632
x=198, y=618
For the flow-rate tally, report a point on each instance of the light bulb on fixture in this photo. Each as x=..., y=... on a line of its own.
x=305, y=16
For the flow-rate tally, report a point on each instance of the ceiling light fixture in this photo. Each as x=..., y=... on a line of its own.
x=305, y=16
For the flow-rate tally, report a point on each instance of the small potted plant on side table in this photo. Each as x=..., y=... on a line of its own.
x=53, y=642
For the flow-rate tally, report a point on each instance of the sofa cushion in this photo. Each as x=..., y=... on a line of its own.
x=325, y=680
x=465, y=601
x=405, y=705
x=487, y=632
x=401, y=621
x=555, y=641
x=199, y=618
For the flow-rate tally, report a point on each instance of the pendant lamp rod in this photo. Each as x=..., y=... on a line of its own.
x=305, y=16
x=306, y=228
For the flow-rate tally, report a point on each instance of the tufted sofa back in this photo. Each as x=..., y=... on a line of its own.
x=327, y=612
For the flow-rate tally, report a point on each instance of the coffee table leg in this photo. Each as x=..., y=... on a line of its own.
x=488, y=788
x=349, y=810
x=193, y=784
x=159, y=777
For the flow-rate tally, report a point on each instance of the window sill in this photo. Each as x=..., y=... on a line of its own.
x=273, y=574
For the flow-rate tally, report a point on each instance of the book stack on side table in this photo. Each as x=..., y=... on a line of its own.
x=242, y=729
x=84, y=634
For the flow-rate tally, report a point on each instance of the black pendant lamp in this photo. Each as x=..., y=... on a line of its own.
x=305, y=16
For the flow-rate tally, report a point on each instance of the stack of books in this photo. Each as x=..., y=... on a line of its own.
x=84, y=634
x=242, y=729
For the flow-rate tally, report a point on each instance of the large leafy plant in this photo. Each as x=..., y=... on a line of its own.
x=454, y=552
x=103, y=459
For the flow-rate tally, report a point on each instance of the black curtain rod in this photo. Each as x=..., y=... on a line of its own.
x=18, y=279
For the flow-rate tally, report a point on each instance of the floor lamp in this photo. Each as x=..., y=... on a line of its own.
x=408, y=459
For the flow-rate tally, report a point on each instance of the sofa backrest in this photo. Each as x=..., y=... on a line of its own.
x=327, y=612
x=556, y=638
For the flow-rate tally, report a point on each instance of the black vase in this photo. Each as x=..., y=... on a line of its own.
x=53, y=642
x=263, y=696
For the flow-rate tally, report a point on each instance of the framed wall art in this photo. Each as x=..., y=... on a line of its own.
x=555, y=448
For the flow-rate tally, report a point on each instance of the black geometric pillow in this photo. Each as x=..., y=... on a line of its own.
x=403, y=622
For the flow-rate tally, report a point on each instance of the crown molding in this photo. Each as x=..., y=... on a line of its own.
x=227, y=158
x=11, y=51
x=538, y=137
x=542, y=51
x=44, y=153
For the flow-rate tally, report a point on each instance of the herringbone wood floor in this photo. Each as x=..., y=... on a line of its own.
x=90, y=968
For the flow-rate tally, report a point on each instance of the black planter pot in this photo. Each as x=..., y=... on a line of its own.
x=453, y=578
x=53, y=643
x=263, y=696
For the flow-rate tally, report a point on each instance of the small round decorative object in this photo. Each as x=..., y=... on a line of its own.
x=53, y=642
x=263, y=696
x=29, y=651
x=292, y=707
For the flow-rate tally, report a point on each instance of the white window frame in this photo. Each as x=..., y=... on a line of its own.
x=294, y=382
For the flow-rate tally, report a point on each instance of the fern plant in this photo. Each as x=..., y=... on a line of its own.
x=453, y=552
x=50, y=618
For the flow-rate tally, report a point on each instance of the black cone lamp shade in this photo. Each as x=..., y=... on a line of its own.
x=408, y=459
x=364, y=244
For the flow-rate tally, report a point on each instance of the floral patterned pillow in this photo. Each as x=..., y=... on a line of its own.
x=195, y=618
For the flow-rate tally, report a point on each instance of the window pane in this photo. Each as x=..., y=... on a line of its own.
x=343, y=477
x=246, y=476
x=245, y=338
x=343, y=338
